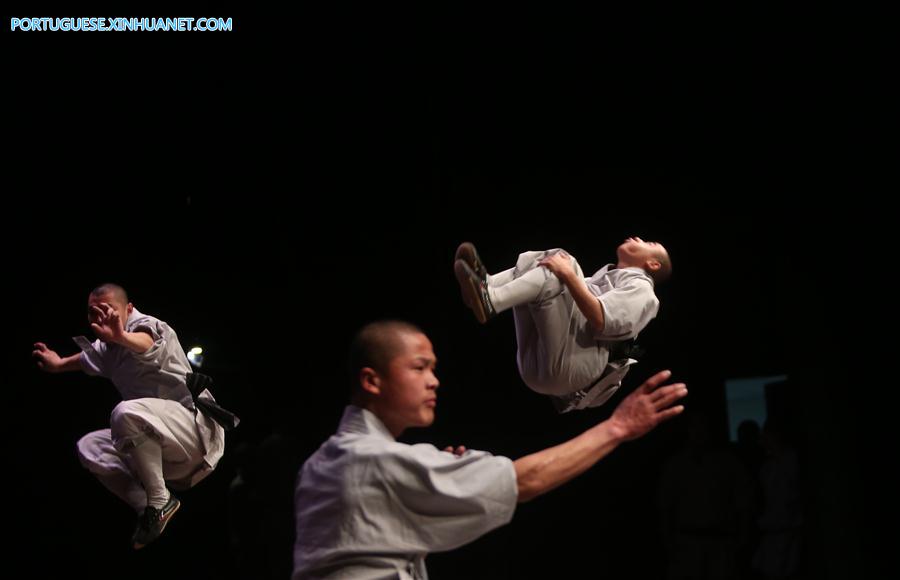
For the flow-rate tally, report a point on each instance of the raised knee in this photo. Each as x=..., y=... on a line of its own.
x=126, y=419
x=90, y=448
x=84, y=445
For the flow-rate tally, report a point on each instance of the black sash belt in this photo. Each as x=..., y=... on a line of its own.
x=196, y=384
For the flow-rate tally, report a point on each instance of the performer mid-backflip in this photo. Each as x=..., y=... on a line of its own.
x=574, y=333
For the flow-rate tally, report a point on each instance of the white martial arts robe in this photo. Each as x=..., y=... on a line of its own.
x=559, y=352
x=156, y=403
x=369, y=507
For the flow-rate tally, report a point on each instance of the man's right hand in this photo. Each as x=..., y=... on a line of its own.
x=559, y=264
x=648, y=406
x=47, y=360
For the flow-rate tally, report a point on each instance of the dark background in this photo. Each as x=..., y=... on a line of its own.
x=270, y=190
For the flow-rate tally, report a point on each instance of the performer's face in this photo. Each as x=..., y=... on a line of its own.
x=408, y=389
x=111, y=299
x=637, y=252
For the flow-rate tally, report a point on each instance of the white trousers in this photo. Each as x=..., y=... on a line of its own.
x=557, y=352
x=124, y=457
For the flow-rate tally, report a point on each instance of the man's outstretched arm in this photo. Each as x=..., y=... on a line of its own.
x=49, y=361
x=638, y=414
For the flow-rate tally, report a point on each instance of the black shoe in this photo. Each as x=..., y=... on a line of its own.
x=474, y=291
x=153, y=521
x=467, y=253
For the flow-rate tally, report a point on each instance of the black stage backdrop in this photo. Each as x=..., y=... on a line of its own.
x=269, y=190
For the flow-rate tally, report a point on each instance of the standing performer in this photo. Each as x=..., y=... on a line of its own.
x=368, y=506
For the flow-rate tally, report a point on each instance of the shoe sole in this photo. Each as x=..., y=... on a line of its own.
x=470, y=293
x=468, y=254
x=162, y=528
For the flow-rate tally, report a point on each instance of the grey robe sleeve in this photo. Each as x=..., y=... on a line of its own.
x=91, y=360
x=627, y=310
x=444, y=501
x=157, y=330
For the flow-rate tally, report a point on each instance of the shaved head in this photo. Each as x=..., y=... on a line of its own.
x=665, y=266
x=118, y=293
x=376, y=344
x=652, y=257
x=104, y=297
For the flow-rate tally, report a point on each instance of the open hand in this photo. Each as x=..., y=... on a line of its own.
x=648, y=406
x=47, y=360
x=106, y=322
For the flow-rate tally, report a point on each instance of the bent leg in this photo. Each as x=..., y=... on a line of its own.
x=161, y=440
x=526, y=283
x=99, y=456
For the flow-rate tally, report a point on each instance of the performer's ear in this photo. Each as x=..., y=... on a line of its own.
x=370, y=381
x=129, y=308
